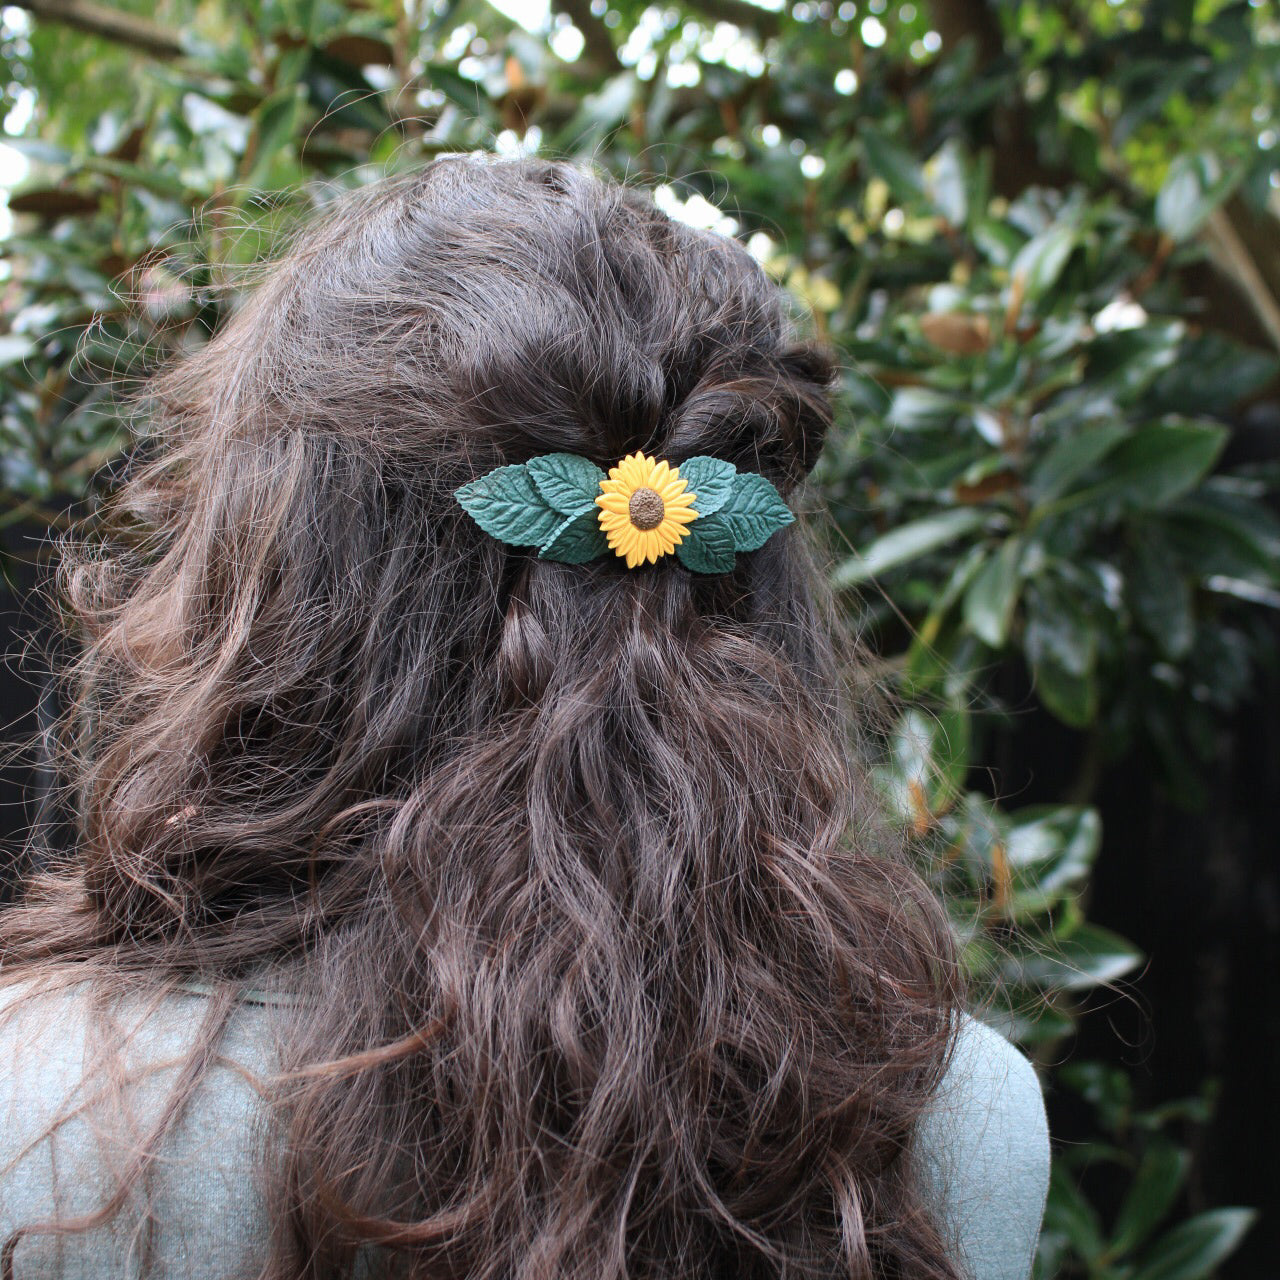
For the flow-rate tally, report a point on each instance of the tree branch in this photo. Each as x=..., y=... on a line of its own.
x=1225, y=236
x=1016, y=162
x=954, y=20
x=109, y=24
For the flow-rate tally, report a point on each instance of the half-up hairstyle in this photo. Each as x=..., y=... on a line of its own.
x=601, y=963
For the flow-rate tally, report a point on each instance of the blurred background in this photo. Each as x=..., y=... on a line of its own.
x=1044, y=237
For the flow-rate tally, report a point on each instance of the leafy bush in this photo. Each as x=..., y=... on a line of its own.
x=1138, y=1242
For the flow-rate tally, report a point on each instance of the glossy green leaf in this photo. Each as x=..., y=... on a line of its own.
x=927, y=661
x=39, y=150
x=1194, y=1249
x=276, y=122
x=1217, y=532
x=1213, y=369
x=1106, y=1087
x=1050, y=860
x=1069, y=1212
x=1072, y=456
x=896, y=165
x=1091, y=956
x=1071, y=697
x=1162, y=461
x=1122, y=368
x=908, y=542
x=946, y=183
x=993, y=594
x=1040, y=262
x=917, y=408
x=14, y=348
x=950, y=745
x=931, y=756
x=1155, y=1186
x=1159, y=595
x=997, y=241
x=458, y=89
x=604, y=109
x=1051, y=849
x=1059, y=626
x=1195, y=187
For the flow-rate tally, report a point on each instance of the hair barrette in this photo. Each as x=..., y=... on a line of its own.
x=705, y=510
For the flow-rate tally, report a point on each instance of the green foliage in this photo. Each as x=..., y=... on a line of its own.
x=1137, y=1241
x=1044, y=237
x=1058, y=442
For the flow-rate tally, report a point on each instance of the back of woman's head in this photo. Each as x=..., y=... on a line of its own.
x=601, y=967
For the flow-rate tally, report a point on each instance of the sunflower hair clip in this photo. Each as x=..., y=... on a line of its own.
x=705, y=510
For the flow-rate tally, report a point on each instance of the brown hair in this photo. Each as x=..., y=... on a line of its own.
x=603, y=965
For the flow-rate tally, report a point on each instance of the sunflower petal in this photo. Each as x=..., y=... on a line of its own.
x=679, y=515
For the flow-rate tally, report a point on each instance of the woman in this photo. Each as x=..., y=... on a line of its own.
x=474, y=874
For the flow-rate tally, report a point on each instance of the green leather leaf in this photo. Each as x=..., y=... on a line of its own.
x=711, y=480
x=754, y=512
x=507, y=506
x=577, y=540
x=708, y=546
x=567, y=482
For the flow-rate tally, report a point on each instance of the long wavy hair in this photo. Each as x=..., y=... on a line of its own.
x=601, y=962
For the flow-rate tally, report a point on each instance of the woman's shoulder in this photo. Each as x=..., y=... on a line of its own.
x=987, y=1068
x=983, y=1148
x=60, y=1033
x=57, y=1041
x=71, y=1125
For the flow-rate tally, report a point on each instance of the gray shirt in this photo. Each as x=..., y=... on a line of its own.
x=984, y=1146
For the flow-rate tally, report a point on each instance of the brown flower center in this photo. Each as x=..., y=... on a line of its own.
x=646, y=509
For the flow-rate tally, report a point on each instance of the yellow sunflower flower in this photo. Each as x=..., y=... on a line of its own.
x=644, y=507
